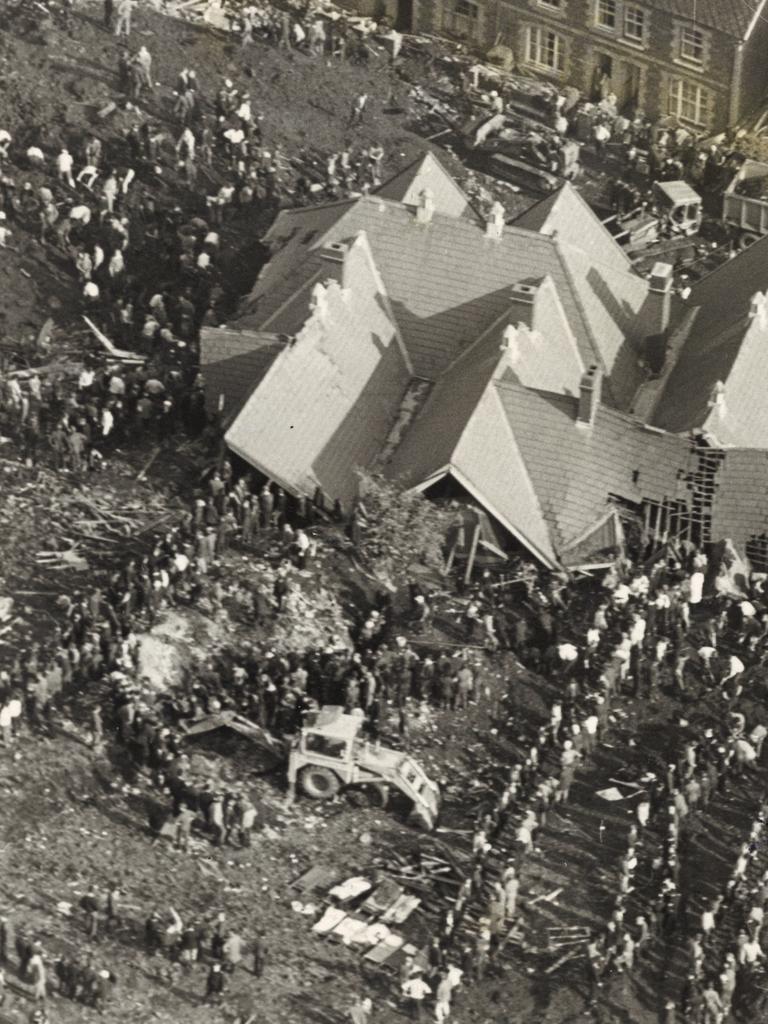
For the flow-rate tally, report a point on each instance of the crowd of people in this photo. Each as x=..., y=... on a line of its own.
x=645, y=637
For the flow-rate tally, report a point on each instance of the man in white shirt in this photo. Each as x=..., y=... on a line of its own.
x=589, y=732
x=751, y=952
x=696, y=587
x=416, y=990
x=64, y=164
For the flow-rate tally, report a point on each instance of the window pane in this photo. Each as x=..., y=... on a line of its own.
x=692, y=44
x=545, y=49
x=606, y=13
x=634, y=23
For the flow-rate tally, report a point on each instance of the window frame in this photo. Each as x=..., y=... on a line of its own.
x=603, y=26
x=630, y=11
x=702, y=103
x=465, y=23
x=559, y=49
x=702, y=47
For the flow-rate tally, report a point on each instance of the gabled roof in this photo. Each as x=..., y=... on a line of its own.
x=574, y=469
x=447, y=281
x=566, y=215
x=328, y=401
x=722, y=345
x=731, y=17
x=428, y=173
x=607, y=289
x=429, y=444
x=462, y=432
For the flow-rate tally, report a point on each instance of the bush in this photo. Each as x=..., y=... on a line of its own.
x=399, y=529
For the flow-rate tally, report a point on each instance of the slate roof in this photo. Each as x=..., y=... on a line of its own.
x=233, y=363
x=741, y=508
x=428, y=173
x=566, y=214
x=442, y=302
x=328, y=401
x=462, y=431
x=609, y=292
x=434, y=435
x=574, y=469
x=732, y=17
x=722, y=344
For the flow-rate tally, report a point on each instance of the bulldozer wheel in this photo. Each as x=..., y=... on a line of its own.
x=367, y=795
x=318, y=782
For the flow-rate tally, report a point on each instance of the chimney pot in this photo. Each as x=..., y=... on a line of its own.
x=757, y=308
x=494, y=226
x=426, y=207
x=662, y=276
x=590, y=388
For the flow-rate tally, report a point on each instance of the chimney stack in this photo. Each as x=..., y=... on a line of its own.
x=660, y=300
x=426, y=206
x=494, y=226
x=758, y=308
x=590, y=389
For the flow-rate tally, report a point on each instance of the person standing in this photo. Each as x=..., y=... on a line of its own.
x=109, y=10
x=259, y=953
x=123, y=25
x=360, y=1011
x=214, y=985
x=359, y=104
x=415, y=991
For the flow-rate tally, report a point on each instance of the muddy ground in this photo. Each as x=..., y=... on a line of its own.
x=70, y=818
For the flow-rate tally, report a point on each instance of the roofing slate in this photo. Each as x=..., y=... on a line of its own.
x=732, y=17
x=328, y=401
x=446, y=280
x=566, y=214
x=574, y=469
x=427, y=172
x=741, y=507
x=233, y=364
x=722, y=344
x=434, y=434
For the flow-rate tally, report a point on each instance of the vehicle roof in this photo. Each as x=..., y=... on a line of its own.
x=332, y=721
x=678, y=192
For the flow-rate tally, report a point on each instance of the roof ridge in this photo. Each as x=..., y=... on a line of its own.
x=597, y=355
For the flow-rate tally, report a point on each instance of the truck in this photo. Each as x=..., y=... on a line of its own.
x=745, y=202
x=330, y=754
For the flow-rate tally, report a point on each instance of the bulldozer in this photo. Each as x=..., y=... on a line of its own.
x=330, y=755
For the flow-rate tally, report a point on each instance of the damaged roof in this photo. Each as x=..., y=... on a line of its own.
x=575, y=468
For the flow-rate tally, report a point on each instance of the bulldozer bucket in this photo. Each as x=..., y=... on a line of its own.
x=422, y=818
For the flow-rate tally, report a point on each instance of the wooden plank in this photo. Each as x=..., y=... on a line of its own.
x=472, y=553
